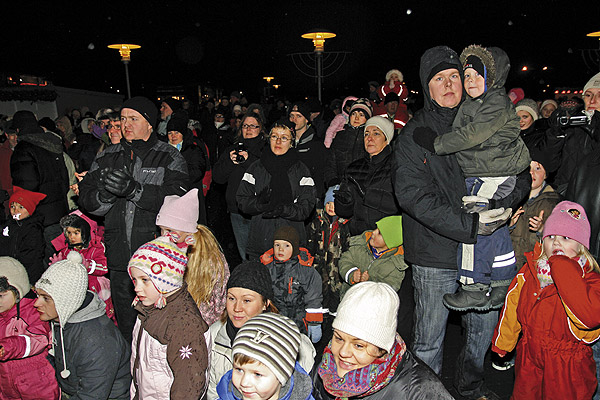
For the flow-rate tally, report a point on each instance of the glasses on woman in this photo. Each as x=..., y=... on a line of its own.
x=284, y=139
x=247, y=126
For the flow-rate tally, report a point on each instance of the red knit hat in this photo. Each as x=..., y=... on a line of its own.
x=26, y=198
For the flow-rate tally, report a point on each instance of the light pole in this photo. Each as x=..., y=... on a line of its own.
x=318, y=37
x=125, y=51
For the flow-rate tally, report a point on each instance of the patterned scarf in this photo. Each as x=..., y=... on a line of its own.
x=364, y=381
x=543, y=270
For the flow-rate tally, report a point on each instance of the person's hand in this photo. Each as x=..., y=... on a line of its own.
x=516, y=215
x=80, y=175
x=314, y=333
x=105, y=196
x=364, y=276
x=491, y=220
x=121, y=183
x=356, y=275
x=263, y=198
x=55, y=258
x=536, y=223
x=475, y=204
x=425, y=137
x=75, y=188
x=274, y=213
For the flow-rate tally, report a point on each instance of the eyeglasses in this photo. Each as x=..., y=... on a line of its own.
x=246, y=126
x=284, y=139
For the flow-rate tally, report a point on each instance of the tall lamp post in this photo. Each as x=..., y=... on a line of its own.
x=318, y=37
x=125, y=51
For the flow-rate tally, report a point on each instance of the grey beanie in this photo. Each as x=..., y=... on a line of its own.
x=530, y=106
x=384, y=124
x=15, y=274
x=593, y=83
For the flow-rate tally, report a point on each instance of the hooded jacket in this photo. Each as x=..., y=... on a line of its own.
x=37, y=164
x=24, y=240
x=93, y=350
x=348, y=146
x=486, y=134
x=338, y=122
x=430, y=187
x=313, y=153
x=298, y=387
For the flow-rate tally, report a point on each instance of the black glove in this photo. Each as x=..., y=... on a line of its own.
x=274, y=213
x=343, y=196
x=263, y=198
x=425, y=137
x=120, y=182
x=105, y=196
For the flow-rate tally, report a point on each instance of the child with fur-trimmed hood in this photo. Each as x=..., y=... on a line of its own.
x=485, y=138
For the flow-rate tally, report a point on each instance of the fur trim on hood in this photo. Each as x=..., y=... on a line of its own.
x=394, y=71
x=486, y=58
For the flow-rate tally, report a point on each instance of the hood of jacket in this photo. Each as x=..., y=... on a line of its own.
x=494, y=59
x=347, y=99
x=46, y=140
x=429, y=61
x=91, y=309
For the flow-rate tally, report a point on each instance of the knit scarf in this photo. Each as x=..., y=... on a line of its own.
x=364, y=381
x=543, y=270
x=278, y=167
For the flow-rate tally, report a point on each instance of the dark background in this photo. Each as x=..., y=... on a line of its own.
x=231, y=45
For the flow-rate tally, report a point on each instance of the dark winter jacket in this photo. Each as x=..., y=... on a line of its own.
x=413, y=380
x=257, y=178
x=429, y=188
x=84, y=150
x=296, y=285
x=24, y=240
x=37, y=164
x=369, y=181
x=313, y=153
x=95, y=353
x=348, y=146
x=225, y=171
x=196, y=160
x=160, y=170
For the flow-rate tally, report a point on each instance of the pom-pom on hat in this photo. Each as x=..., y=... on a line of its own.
x=164, y=262
x=593, y=83
x=369, y=311
x=254, y=276
x=66, y=281
x=26, y=198
x=363, y=105
x=385, y=125
x=180, y=212
x=16, y=276
x=391, y=230
x=290, y=235
x=569, y=219
x=529, y=106
x=144, y=106
x=271, y=339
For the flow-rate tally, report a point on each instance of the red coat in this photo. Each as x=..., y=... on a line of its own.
x=554, y=359
x=25, y=371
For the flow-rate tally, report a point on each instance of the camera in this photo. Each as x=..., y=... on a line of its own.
x=239, y=147
x=573, y=120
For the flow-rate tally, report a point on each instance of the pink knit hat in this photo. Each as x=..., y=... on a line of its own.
x=180, y=213
x=569, y=219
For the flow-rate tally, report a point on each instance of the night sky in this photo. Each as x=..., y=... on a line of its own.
x=233, y=44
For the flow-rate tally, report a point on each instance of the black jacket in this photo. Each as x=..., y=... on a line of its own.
x=24, y=240
x=413, y=380
x=314, y=154
x=348, y=146
x=38, y=164
x=159, y=168
x=369, y=180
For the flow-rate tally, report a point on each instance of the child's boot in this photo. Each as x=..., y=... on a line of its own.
x=498, y=294
x=475, y=296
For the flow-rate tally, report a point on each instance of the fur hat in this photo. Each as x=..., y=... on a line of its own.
x=290, y=235
x=26, y=198
x=180, y=213
x=66, y=281
x=569, y=219
x=391, y=230
x=389, y=74
x=164, y=262
x=529, y=106
x=144, y=106
x=271, y=339
x=369, y=311
x=363, y=105
x=16, y=277
x=254, y=276
x=385, y=125
x=75, y=221
x=593, y=83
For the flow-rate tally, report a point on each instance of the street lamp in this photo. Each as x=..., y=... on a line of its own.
x=268, y=78
x=125, y=51
x=318, y=37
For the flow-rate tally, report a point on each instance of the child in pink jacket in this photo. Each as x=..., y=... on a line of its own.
x=25, y=373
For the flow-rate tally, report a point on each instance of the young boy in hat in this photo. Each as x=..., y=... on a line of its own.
x=91, y=357
x=486, y=140
x=264, y=362
x=376, y=256
x=296, y=284
x=22, y=237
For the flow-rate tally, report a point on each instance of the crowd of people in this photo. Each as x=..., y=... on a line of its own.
x=360, y=226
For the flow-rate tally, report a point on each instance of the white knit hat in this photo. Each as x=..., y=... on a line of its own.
x=593, y=83
x=180, y=213
x=66, y=281
x=369, y=311
x=272, y=339
x=386, y=126
x=15, y=274
x=529, y=106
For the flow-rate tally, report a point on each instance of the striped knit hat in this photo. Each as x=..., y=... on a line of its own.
x=163, y=262
x=271, y=339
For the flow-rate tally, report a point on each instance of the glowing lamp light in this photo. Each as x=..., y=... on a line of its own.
x=268, y=78
x=124, y=50
x=545, y=69
x=594, y=34
x=556, y=92
x=276, y=86
x=524, y=68
x=318, y=37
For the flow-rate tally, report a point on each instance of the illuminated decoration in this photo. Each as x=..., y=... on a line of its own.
x=125, y=52
x=276, y=86
x=594, y=34
x=268, y=78
x=545, y=69
x=318, y=37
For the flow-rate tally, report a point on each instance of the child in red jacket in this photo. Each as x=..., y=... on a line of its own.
x=554, y=302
